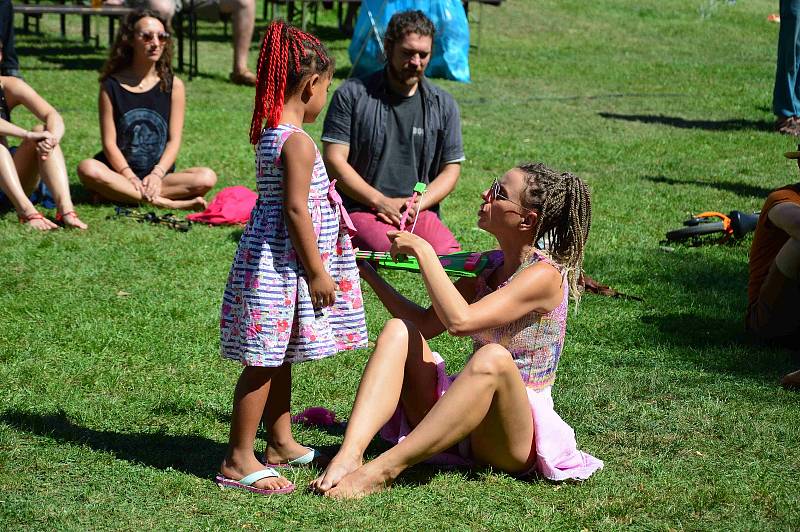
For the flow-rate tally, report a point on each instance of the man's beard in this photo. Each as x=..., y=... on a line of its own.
x=406, y=77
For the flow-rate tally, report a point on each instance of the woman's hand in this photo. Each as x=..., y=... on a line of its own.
x=135, y=181
x=151, y=186
x=405, y=243
x=322, y=290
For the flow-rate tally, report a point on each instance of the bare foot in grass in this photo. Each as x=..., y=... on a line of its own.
x=71, y=221
x=340, y=466
x=365, y=480
x=38, y=222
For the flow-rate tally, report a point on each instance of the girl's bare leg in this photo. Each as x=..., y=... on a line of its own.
x=401, y=365
x=488, y=401
x=249, y=398
x=13, y=187
x=281, y=445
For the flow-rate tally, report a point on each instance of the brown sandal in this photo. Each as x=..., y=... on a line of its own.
x=789, y=125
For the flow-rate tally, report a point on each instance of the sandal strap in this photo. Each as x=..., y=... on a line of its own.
x=252, y=478
x=60, y=216
x=25, y=218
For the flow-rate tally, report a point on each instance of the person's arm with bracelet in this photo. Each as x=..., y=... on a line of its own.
x=152, y=181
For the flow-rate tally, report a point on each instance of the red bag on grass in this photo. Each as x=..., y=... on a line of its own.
x=231, y=205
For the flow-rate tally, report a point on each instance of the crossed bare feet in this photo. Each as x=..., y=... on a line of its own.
x=366, y=480
x=193, y=204
x=347, y=477
x=236, y=468
x=341, y=465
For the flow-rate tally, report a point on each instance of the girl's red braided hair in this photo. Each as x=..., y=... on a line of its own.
x=283, y=44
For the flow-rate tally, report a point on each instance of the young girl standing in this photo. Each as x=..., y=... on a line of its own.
x=293, y=293
x=142, y=107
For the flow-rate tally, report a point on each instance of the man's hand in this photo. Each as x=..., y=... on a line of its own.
x=388, y=210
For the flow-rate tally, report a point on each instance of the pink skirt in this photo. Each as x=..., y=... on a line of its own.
x=557, y=454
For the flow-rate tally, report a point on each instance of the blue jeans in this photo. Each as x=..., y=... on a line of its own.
x=785, y=101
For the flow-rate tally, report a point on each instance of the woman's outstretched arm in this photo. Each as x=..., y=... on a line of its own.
x=425, y=319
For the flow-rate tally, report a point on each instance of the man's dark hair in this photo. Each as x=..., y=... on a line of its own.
x=405, y=22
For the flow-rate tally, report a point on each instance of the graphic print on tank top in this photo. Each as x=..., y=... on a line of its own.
x=143, y=138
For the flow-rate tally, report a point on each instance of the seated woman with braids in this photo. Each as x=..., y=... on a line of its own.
x=498, y=410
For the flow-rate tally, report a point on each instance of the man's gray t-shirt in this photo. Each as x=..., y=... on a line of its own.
x=399, y=163
x=359, y=114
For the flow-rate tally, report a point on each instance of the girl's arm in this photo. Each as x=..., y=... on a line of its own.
x=425, y=319
x=298, y=164
x=537, y=288
x=108, y=134
x=152, y=181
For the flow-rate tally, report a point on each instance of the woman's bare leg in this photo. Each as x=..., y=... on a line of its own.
x=402, y=363
x=98, y=177
x=187, y=188
x=249, y=398
x=53, y=172
x=281, y=445
x=13, y=188
x=487, y=400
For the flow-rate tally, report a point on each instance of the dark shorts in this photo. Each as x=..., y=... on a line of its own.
x=101, y=156
x=776, y=313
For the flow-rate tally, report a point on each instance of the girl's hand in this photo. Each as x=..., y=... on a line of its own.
x=405, y=243
x=322, y=290
x=152, y=186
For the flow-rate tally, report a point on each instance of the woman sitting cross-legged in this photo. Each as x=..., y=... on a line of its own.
x=142, y=108
x=498, y=411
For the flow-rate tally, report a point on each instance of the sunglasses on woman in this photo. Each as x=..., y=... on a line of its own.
x=494, y=193
x=150, y=36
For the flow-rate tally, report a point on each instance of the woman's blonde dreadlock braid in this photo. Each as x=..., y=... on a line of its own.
x=564, y=205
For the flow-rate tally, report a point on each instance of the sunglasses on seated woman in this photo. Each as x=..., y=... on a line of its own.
x=150, y=36
x=494, y=193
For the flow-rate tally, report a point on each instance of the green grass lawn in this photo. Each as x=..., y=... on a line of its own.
x=115, y=404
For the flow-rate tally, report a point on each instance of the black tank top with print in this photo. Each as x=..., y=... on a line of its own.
x=142, y=123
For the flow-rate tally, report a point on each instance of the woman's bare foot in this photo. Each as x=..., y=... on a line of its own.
x=37, y=221
x=71, y=221
x=365, y=480
x=341, y=465
x=237, y=470
x=195, y=204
